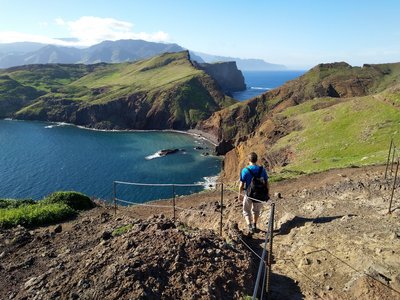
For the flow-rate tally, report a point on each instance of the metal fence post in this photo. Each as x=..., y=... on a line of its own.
x=394, y=186
x=173, y=201
x=262, y=266
x=222, y=208
x=269, y=263
x=115, y=197
x=391, y=167
x=388, y=159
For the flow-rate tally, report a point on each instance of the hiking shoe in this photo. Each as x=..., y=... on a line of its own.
x=251, y=229
x=254, y=228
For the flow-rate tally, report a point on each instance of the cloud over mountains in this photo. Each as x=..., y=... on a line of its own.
x=87, y=31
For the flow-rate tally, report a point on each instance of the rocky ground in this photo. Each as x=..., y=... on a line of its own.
x=333, y=239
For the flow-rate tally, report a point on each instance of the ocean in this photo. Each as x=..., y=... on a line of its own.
x=39, y=158
x=258, y=82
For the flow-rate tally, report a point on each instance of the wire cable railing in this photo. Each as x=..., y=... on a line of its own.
x=392, y=159
x=174, y=207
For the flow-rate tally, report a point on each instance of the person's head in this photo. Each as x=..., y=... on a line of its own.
x=253, y=157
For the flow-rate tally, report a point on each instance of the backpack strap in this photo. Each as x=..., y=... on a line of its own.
x=259, y=172
x=254, y=175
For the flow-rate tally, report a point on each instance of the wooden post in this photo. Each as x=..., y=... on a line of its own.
x=388, y=159
x=173, y=201
x=115, y=197
x=222, y=208
x=394, y=186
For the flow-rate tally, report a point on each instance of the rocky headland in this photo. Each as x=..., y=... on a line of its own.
x=164, y=92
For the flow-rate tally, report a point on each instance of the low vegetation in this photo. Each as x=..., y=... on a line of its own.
x=57, y=207
x=121, y=230
x=75, y=200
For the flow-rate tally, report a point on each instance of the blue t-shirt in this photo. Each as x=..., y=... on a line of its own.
x=245, y=175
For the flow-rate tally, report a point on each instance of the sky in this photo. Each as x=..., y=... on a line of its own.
x=297, y=33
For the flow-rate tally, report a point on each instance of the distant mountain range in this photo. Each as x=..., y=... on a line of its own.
x=25, y=53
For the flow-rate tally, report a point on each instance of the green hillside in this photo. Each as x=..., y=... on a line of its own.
x=14, y=95
x=163, y=92
x=347, y=133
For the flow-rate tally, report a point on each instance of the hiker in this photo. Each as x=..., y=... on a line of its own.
x=253, y=180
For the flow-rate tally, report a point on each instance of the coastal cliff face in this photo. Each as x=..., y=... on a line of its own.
x=279, y=123
x=228, y=76
x=165, y=92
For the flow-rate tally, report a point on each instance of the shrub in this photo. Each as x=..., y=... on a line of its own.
x=121, y=230
x=74, y=200
x=35, y=214
x=14, y=203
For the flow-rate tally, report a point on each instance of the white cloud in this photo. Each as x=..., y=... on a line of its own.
x=92, y=30
x=59, y=21
x=43, y=24
x=88, y=31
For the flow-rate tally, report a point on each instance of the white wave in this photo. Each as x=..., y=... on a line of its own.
x=153, y=156
x=8, y=119
x=209, y=182
x=58, y=124
x=259, y=88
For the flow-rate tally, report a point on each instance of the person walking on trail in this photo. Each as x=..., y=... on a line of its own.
x=253, y=180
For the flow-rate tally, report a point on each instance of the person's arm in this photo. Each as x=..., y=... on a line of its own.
x=267, y=182
x=241, y=189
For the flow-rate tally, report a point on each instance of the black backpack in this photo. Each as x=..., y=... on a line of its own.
x=257, y=188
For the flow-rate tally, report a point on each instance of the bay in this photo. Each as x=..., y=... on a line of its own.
x=259, y=82
x=39, y=158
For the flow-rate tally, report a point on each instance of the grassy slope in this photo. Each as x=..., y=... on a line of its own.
x=76, y=82
x=14, y=95
x=356, y=131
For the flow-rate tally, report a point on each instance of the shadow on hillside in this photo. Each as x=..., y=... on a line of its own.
x=297, y=222
x=282, y=287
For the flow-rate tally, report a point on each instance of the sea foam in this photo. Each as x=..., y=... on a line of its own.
x=259, y=88
x=153, y=156
x=209, y=182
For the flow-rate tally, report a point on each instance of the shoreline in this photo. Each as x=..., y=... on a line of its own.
x=192, y=132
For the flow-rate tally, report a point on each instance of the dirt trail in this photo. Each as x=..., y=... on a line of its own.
x=333, y=240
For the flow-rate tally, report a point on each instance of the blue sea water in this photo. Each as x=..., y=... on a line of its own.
x=38, y=158
x=258, y=82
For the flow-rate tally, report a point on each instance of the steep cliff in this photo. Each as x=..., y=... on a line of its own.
x=164, y=92
x=228, y=76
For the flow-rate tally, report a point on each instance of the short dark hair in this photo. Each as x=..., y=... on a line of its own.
x=253, y=157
